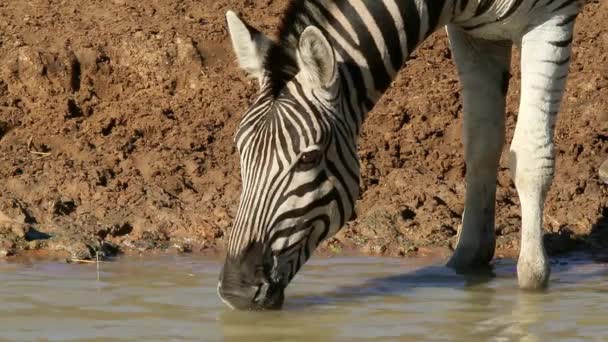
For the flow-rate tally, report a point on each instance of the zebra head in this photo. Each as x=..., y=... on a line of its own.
x=299, y=167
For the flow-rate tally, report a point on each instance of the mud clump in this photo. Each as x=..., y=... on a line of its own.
x=117, y=124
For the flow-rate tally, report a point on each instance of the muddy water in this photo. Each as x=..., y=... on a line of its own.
x=336, y=299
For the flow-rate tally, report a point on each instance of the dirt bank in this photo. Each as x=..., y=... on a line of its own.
x=117, y=118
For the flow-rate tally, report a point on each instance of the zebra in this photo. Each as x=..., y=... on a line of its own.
x=331, y=63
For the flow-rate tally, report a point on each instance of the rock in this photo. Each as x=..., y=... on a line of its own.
x=121, y=229
x=7, y=248
x=32, y=234
x=603, y=171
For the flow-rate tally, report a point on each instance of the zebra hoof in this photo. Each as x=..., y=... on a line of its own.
x=533, y=276
x=470, y=260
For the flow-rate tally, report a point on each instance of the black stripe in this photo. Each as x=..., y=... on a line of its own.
x=308, y=117
x=554, y=101
x=551, y=91
x=342, y=155
x=506, y=15
x=567, y=20
x=287, y=232
x=245, y=127
x=351, y=111
x=561, y=43
x=285, y=181
x=292, y=130
x=564, y=5
x=434, y=9
x=282, y=139
x=506, y=76
x=483, y=7
x=389, y=31
x=297, y=130
x=545, y=145
x=264, y=169
x=358, y=83
x=476, y=26
x=287, y=252
x=325, y=231
x=371, y=52
x=551, y=77
x=545, y=111
x=334, y=170
x=307, y=187
x=463, y=5
x=353, y=70
x=302, y=211
x=511, y=10
x=252, y=204
x=336, y=25
x=342, y=118
x=534, y=5
x=558, y=62
x=273, y=186
x=411, y=17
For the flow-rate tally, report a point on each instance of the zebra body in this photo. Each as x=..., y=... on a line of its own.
x=333, y=61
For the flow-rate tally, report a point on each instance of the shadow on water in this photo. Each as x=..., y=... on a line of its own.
x=436, y=276
x=235, y=323
x=431, y=297
x=597, y=240
x=440, y=277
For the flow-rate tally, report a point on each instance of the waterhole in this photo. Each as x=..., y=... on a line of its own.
x=332, y=299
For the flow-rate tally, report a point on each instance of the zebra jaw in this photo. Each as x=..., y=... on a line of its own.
x=262, y=287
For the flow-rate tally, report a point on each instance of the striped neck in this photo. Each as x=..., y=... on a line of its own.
x=372, y=40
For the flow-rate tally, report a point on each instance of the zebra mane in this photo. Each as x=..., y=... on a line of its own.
x=280, y=61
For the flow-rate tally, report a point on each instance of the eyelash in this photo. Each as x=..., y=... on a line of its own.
x=309, y=160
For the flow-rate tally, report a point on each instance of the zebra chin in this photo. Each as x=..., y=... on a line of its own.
x=246, y=281
x=251, y=298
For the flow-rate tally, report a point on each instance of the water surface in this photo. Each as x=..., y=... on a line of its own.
x=335, y=299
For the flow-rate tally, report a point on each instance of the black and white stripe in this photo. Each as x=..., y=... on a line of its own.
x=289, y=210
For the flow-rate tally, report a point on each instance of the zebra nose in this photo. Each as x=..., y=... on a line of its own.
x=260, y=297
x=238, y=297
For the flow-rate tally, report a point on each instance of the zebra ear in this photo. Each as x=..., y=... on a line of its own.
x=316, y=58
x=249, y=44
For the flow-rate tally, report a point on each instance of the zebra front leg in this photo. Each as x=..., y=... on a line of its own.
x=545, y=57
x=483, y=68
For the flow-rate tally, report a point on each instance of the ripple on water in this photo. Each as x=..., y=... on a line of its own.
x=338, y=299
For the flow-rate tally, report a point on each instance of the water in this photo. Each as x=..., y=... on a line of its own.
x=336, y=299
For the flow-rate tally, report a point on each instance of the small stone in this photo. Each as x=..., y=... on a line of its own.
x=603, y=171
x=7, y=248
x=602, y=83
x=34, y=245
x=6, y=253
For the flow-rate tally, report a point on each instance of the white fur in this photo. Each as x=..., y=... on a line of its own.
x=250, y=47
x=531, y=154
x=482, y=58
x=316, y=59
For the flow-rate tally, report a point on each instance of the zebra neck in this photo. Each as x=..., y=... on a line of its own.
x=372, y=38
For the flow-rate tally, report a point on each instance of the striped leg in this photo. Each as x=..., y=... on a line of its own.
x=544, y=67
x=483, y=67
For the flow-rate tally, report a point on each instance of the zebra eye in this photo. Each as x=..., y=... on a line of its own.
x=308, y=160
